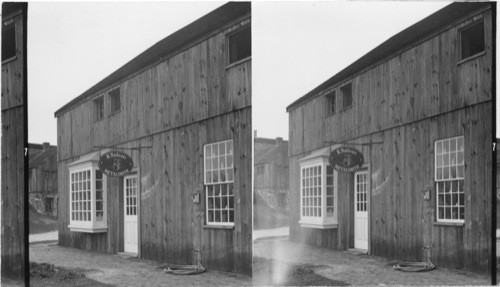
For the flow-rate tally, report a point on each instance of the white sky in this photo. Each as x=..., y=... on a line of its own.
x=72, y=46
x=302, y=44
x=296, y=46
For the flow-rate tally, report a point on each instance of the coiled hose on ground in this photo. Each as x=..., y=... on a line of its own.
x=414, y=266
x=185, y=269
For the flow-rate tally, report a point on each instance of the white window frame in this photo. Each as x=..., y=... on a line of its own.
x=92, y=225
x=440, y=179
x=211, y=185
x=322, y=222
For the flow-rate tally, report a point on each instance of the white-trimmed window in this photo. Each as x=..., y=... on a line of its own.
x=219, y=183
x=450, y=175
x=318, y=192
x=87, y=198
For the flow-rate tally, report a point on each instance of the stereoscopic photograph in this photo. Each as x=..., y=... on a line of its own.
x=330, y=143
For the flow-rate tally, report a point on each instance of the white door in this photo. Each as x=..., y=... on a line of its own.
x=130, y=236
x=361, y=210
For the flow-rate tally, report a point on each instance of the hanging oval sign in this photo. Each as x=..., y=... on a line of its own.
x=115, y=163
x=346, y=159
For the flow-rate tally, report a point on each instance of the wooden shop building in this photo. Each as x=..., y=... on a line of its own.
x=419, y=110
x=14, y=141
x=155, y=160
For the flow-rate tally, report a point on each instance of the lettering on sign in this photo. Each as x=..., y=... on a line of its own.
x=115, y=164
x=346, y=159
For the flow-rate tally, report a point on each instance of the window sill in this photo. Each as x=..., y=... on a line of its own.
x=471, y=57
x=102, y=229
x=238, y=62
x=11, y=59
x=323, y=225
x=114, y=113
x=457, y=224
x=230, y=227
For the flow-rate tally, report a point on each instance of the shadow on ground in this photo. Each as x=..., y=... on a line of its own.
x=277, y=273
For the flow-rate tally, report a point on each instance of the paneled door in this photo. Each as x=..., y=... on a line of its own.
x=361, y=210
x=130, y=236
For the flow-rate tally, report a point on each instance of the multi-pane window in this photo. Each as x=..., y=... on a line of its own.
x=131, y=195
x=87, y=195
x=99, y=108
x=450, y=175
x=311, y=191
x=219, y=183
x=318, y=193
x=332, y=101
x=361, y=191
x=49, y=201
x=99, y=196
x=330, y=191
x=346, y=96
x=8, y=43
x=472, y=40
x=81, y=204
x=114, y=97
x=240, y=45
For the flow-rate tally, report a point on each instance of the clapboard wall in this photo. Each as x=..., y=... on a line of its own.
x=408, y=101
x=173, y=109
x=13, y=143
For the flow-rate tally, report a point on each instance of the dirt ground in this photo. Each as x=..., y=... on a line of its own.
x=344, y=268
x=45, y=275
x=265, y=270
x=39, y=223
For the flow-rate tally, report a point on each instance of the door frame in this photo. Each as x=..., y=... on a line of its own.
x=365, y=168
x=121, y=246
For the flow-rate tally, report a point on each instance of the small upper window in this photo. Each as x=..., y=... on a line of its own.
x=332, y=100
x=472, y=40
x=240, y=45
x=114, y=96
x=8, y=43
x=99, y=108
x=346, y=96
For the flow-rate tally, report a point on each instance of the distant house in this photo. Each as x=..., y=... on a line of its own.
x=42, y=178
x=14, y=140
x=271, y=171
x=176, y=122
x=419, y=109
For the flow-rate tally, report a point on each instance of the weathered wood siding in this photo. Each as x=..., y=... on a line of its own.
x=275, y=175
x=408, y=102
x=13, y=141
x=175, y=108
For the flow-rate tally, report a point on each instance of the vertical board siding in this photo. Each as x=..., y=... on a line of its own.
x=408, y=102
x=13, y=197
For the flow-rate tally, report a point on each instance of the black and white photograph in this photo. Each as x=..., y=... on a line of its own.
x=280, y=143
x=386, y=110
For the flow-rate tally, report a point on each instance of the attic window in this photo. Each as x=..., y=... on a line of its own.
x=472, y=40
x=8, y=43
x=114, y=96
x=240, y=45
x=346, y=96
x=98, y=108
x=332, y=101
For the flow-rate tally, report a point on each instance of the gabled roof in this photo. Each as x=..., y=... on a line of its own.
x=407, y=37
x=275, y=153
x=166, y=47
x=38, y=156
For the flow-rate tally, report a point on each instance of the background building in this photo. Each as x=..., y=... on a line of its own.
x=42, y=178
x=270, y=182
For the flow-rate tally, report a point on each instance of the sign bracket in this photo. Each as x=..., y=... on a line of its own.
x=123, y=148
x=351, y=143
